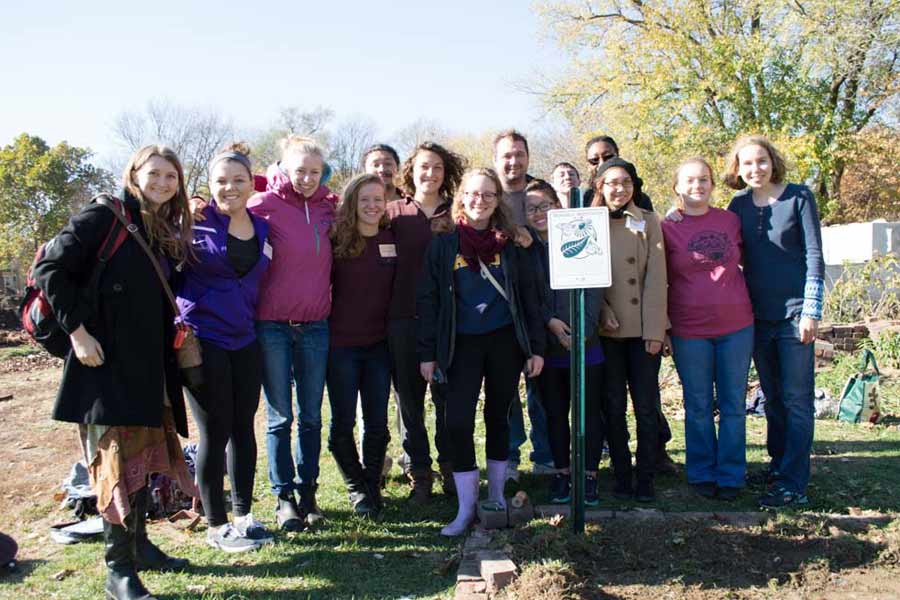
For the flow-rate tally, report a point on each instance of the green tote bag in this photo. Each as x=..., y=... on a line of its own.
x=859, y=400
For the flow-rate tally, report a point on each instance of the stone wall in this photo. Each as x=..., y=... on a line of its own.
x=845, y=337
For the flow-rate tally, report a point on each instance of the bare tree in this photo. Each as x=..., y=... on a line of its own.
x=350, y=139
x=290, y=120
x=195, y=133
x=420, y=130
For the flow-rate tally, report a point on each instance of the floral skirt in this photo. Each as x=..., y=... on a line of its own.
x=121, y=459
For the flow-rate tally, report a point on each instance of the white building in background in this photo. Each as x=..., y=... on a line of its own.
x=856, y=243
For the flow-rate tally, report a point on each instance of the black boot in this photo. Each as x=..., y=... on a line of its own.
x=344, y=451
x=148, y=557
x=374, y=447
x=122, y=582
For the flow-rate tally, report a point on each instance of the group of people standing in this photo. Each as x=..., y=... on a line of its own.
x=442, y=282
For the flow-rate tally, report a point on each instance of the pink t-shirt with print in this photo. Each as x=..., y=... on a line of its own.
x=707, y=293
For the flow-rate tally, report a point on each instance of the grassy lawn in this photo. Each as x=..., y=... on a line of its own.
x=403, y=556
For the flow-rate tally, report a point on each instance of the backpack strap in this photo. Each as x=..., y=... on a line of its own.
x=132, y=229
x=486, y=273
x=117, y=234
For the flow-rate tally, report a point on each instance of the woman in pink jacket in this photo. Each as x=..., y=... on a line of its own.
x=292, y=325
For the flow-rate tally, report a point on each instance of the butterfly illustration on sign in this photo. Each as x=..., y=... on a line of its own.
x=579, y=238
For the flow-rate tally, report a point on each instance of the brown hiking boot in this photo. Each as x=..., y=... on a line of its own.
x=665, y=465
x=447, y=483
x=421, y=486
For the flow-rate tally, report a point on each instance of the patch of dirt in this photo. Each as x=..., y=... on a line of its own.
x=807, y=558
x=37, y=454
x=31, y=362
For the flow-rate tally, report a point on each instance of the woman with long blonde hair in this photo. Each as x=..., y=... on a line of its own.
x=120, y=381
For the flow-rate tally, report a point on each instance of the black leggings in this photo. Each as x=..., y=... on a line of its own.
x=224, y=407
x=496, y=358
x=555, y=387
x=628, y=368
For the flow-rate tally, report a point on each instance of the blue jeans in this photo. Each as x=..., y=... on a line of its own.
x=362, y=372
x=293, y=354
x=786, y=375
x=540, y=440
x=704, y=365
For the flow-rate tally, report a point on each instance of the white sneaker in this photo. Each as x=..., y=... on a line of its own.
x=252, y=529
x=227, y=539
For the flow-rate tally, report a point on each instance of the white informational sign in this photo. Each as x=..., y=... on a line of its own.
x=579, y=248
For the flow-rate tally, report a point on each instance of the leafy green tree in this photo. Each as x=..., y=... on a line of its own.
x=673, y=78
x=40, y=187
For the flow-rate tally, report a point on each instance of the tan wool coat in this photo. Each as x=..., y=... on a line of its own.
x=637, y=298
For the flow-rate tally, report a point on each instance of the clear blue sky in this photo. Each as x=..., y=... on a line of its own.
x=70, y=67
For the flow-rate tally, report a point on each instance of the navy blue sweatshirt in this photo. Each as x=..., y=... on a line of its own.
x=783, y=262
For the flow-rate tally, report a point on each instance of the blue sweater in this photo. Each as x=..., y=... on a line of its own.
x=783, y=262
x=215, y=302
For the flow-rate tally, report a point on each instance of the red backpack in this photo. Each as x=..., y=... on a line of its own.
x=35, y=311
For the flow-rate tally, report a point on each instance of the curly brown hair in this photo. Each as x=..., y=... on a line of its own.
x=733, y=178
x=454, y=165
x=345, y=237
x=169, y=226
x=500, y=219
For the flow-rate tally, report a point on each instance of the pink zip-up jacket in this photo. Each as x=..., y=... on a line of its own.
x=297, y=286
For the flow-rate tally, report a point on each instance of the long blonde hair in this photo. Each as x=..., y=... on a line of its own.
x=169, y=226
x=347, y=241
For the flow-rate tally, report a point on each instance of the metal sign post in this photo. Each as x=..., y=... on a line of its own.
x=579, y=259
x=576, y=391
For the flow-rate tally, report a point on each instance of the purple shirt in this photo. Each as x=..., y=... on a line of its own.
x=214, y=301
x=707, y=293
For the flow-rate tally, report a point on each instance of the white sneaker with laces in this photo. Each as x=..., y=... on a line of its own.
x=228, y=539
x=252, y=529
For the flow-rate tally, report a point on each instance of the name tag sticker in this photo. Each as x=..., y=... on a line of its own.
x=387, y=250
x=636, y=226
x=267, y=249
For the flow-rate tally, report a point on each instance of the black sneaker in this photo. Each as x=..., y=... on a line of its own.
x=645, y=491
x=779, y=498
x=622, y=489
x=707, y=489
x=591, y=495
x=287, y=514
x=561, y=488
x=763, y=478
x=729, y=494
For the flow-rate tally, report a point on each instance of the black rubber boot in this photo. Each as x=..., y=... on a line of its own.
x=344, y=451
x=148, y=557
x=374, y=447
x=122, y=582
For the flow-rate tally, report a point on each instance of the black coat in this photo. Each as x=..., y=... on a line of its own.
x=134, y=325
x=436, y=301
